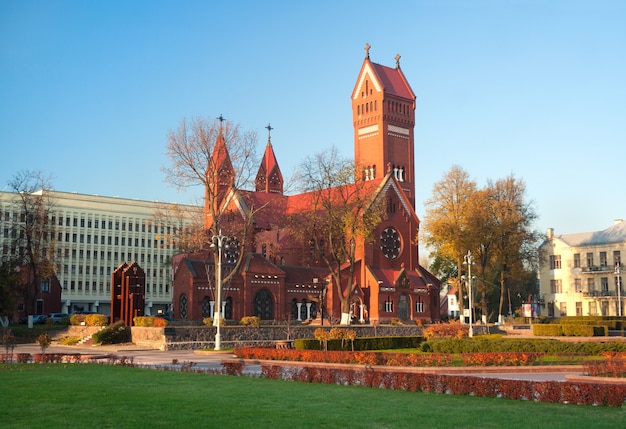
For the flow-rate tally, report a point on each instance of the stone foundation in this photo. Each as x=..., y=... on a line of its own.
x=196, y=337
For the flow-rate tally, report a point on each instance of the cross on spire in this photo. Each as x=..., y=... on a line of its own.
x=269, y=129
x=221, y=119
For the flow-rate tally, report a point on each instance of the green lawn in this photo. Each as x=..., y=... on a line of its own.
x=101, y=396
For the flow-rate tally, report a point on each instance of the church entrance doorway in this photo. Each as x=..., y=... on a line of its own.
x=264, y=305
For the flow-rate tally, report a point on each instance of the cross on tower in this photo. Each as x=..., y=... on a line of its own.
x=269, y=129
x=221, y=119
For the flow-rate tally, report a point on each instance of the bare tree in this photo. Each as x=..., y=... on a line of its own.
x=33, y=232
x=221, y=158
x=342, y=213
x=8, y=292
x=183, y=228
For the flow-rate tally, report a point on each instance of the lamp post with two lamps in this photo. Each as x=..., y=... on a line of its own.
x=469, y=261
x=220, y=242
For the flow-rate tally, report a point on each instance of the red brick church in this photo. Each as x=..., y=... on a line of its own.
x=280, y=278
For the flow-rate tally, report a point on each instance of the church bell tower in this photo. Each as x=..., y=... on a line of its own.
x=383, y=113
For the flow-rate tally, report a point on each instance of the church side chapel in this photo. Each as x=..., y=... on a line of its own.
x=282, y=275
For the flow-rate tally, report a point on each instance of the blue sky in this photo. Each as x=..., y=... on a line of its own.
x=537, y=89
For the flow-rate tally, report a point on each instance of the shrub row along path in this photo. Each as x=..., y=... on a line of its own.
x=211, y=360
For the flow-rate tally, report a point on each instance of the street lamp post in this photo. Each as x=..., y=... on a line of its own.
x=618, y=273
x=469, y=261
x=221, y=242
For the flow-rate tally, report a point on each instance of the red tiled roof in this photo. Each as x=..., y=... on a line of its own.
x=256, y=263
x=393, y=80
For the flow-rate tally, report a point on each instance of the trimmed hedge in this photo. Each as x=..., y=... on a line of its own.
x=89, y=319
x=547, y=330
x=613, y=322
x=365, y=343
x=541, y=391
x=477, y=344
x=571, y=329
x=150, y=321
x=114, y=334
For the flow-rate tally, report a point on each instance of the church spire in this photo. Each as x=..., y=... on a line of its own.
x=220, y=175
x=269, y=178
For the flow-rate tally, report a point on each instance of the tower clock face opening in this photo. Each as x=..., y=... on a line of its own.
x=390, y=243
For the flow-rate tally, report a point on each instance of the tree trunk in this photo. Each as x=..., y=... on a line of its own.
x=502, y=295
x=345, y=318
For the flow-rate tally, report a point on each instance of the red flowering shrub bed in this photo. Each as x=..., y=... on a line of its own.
x=541, y=391
x=232, y=367
x=500, y=358
x=389, y=359
x=609, y=367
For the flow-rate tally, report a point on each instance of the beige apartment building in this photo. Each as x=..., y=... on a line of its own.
x=581, y=273
x=94, y=235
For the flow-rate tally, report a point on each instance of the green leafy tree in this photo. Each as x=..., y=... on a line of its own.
x=495, y=223
x=446, y=224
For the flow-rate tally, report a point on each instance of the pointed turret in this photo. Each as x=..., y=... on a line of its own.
x=220, y=176
x=269, y=178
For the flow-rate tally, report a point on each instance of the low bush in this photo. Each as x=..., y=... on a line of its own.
x=548, y=330
x=362, y=343
x=253, y=321
x=551, y=346
x=114, y=334
x=150, y=321
x=388, y=358
x=69, y=341
x=613, y=366
x=208, y=321
x=540, y=391
x=453, y=329
x=89, y=319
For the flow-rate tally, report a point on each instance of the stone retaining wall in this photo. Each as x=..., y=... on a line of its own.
x=195, y=337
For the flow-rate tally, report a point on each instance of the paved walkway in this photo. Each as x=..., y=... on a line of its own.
x=211, y=361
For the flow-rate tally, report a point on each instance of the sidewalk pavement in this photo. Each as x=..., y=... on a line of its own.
x=210, y=360
x=206, y=360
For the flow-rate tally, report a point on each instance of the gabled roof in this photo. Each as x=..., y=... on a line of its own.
x=390, y=80
x=256, y=263
x=612, y=235
x=306, y=275
x=389, y=277
x=276, y=206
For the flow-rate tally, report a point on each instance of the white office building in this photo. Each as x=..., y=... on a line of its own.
x=96, y=234
x=581, y=274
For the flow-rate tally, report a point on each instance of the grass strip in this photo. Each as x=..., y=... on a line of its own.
x=102, y=396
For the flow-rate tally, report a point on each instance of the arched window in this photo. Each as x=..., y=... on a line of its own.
x=183, y=306
x=294, y=309
x=206, y=307
x=228, y=308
